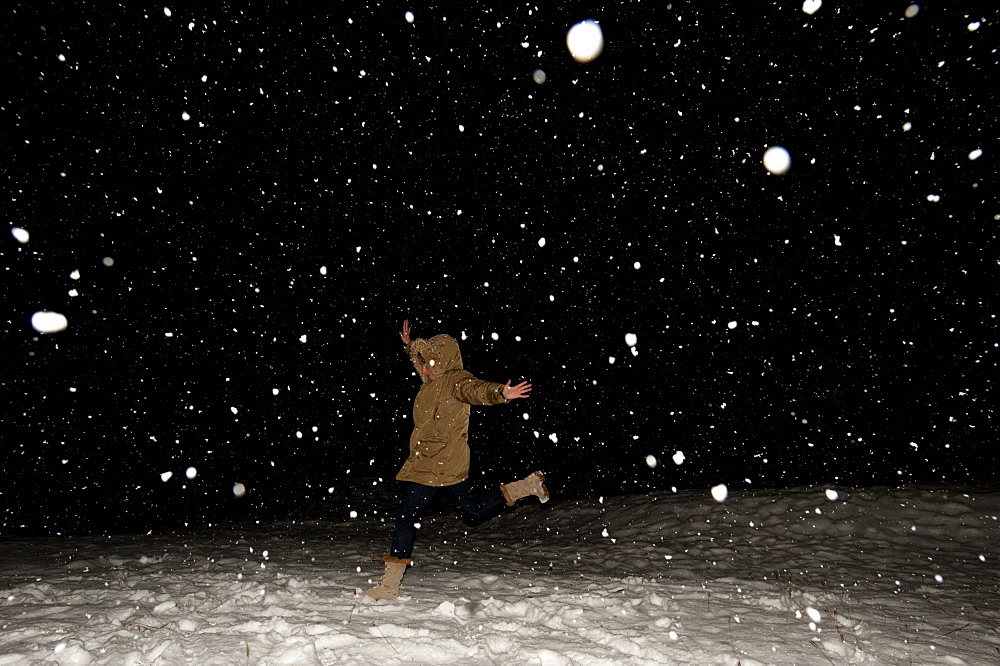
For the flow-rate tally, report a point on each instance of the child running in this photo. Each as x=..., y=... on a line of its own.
x=439, y=450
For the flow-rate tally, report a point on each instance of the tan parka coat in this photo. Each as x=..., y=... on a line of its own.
x=439, y=445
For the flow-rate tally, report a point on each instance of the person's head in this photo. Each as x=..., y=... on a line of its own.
x=432, y=358
x=427, y=366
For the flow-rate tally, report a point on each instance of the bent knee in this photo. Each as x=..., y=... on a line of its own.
x=473, y=519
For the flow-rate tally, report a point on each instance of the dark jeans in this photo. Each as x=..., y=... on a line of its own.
x=416, y=496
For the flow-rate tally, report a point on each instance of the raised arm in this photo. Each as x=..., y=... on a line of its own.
x=405, y=333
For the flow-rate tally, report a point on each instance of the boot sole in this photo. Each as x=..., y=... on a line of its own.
x=545, y=489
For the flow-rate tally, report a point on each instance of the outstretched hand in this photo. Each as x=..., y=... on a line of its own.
x=517, y=391
x=405, y=333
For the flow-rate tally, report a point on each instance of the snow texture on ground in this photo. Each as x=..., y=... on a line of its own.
x=876, y=576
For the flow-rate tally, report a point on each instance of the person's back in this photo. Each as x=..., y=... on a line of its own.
x=439, y=444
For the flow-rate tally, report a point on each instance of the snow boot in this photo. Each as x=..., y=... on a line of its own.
x=533, y=484
x=388, y=584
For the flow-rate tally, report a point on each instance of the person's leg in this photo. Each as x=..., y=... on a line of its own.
x=474, y=511
x=416, y=496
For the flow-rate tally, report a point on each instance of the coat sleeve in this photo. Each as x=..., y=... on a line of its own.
x=468, y=388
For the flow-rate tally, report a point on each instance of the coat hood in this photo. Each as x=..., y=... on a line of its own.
x=441, y=353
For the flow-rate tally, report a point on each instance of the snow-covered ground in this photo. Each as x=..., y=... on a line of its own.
x=875, y=576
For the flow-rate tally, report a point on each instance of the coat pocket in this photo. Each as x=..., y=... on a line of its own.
x=429, y=448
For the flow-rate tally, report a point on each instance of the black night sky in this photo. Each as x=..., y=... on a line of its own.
x=235, y=208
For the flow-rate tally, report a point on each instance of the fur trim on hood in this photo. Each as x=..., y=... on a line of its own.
x=441, y=353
